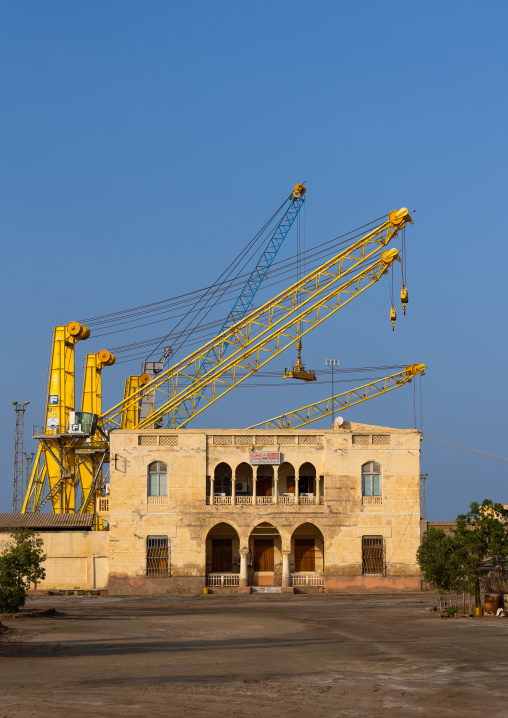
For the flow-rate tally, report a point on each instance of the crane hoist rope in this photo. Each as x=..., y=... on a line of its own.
x=319, y=409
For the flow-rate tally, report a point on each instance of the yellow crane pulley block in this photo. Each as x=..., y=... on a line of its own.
x=298, y=371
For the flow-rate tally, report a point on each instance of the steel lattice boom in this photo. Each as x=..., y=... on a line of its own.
x=266, y=332
x=313, y=412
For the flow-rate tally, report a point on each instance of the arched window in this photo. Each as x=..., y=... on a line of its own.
x=222, y=479
x=306, y=478
x=158, y=479
x=371, y=479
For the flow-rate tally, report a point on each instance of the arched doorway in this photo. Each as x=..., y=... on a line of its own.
x=307, y=483
x=222, y=555
x=286, y=483
x=243, y=483
x=307, y=556
x=264, y=484
x=265, y=547
x=220, y=489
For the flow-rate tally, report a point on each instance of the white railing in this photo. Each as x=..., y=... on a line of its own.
x=308, y=579
x=102, y=505
x=280, y=499
x=372, y=500
x=223, y=579
x=157, y=500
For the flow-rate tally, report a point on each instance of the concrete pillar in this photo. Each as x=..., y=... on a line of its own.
x=244, y=552
x=286, y=576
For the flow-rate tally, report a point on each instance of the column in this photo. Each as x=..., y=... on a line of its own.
x=297, y=488
x=275, y=498
x=286, y=576
x=244, y=552
x=255, y=487
x=233, y=490
x=317, y=480
x=212, y=486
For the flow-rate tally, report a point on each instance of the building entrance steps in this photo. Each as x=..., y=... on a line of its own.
x=265, y=589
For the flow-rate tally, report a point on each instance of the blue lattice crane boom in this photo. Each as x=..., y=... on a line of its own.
x=244, y=301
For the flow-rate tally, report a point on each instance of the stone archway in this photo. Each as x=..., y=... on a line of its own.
x=222, y=555
x=265, y=547
x=307, y=559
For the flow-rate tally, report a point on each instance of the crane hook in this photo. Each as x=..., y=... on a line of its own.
x=404, y=298
x=393, y=317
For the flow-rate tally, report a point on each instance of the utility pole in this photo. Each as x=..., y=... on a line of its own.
x=17, y=490
x=333, y=363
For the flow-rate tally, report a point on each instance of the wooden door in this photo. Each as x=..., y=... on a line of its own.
x=290, y=485
x=222, y=555
x=263, y=555
x=264, y=486
x=305, y=555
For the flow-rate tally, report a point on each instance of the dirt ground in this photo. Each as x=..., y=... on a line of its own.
x=266, y=655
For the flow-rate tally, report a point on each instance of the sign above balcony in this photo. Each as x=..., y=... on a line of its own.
x=265, y=457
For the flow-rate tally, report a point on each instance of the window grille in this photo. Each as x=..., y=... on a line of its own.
x=361, y=439
x=222, y=440
x=286, y=440
x=168, y=440
x=158, y=560
x=244, y=440
x=265, y=440
x=147, y=440
x=158, y=479
x=373, y=556
x=309, y=440
x=381, y=438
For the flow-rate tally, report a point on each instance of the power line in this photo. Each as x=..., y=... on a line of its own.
x=468, y=449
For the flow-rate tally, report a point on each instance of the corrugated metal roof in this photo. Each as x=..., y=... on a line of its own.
x=47, y=522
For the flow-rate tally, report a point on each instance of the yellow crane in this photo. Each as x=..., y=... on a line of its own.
x=266, y=332
x=252, y=342
x=319, y=409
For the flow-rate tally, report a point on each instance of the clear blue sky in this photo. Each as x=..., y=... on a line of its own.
x=143, y=144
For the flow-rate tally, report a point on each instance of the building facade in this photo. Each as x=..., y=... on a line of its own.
x=333, y=510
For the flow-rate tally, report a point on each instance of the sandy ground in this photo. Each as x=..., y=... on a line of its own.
x=252, y=656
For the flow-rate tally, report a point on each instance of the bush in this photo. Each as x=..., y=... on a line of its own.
x=450, y=611
x=20, y=565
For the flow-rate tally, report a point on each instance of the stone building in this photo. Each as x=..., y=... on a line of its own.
x=333, y=510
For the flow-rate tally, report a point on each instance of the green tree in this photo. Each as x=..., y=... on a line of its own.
x=481, y=533
x=439, y=562
x=451, y=563
x=20, y=565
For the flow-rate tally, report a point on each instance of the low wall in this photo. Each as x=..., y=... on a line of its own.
x=75, y=560
x=148, y=586
x=371, y=584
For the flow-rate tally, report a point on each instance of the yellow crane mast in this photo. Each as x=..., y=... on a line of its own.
x=91, y=455
x=319, y=409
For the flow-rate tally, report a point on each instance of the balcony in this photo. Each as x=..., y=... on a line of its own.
x=281, y=500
